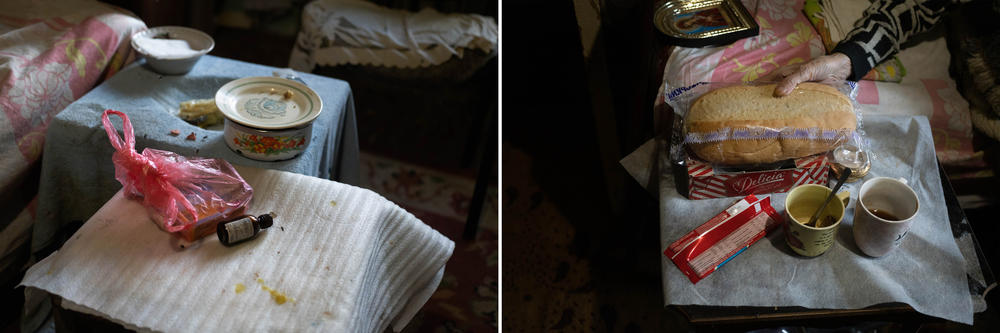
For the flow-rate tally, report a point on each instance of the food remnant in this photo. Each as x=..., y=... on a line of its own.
x=240, y=288
x=191, y=137
x=288, y=94
x=175, y=132
x=333, y=203
x=201, y=112
x=277, y=296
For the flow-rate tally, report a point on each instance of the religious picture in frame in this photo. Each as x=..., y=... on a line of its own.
x=704, y=23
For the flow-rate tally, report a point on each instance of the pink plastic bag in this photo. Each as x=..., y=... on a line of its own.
x=186, y=196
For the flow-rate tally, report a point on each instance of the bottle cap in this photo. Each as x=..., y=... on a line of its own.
x=266, y=221
x=849, y=156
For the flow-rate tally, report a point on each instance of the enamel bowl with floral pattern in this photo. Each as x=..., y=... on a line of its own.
x=268, y=118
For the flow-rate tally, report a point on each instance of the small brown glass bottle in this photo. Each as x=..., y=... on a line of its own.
x=243, y=228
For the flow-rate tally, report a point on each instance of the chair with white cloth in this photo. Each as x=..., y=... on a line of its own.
x=426, y=73
x=430, y=74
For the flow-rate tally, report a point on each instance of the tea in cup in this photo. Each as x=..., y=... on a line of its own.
x=886, y=209
x=801, y=203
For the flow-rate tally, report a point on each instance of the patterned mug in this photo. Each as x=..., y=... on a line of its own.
x=800, y=205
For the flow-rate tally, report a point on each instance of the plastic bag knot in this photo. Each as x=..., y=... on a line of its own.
x=145, y=175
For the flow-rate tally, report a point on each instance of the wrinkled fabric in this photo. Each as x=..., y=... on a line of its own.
x=336, y=32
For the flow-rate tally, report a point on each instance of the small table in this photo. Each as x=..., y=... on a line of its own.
x=77, y=175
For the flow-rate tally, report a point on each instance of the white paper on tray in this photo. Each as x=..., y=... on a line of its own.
x=928, y=272
x=344, y=258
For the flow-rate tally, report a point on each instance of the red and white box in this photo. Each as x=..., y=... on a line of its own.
x=720, y=239
x=706, y=181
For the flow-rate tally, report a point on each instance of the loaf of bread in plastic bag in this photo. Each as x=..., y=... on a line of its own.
x=745, y=125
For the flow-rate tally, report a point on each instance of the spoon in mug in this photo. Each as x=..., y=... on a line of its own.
x=814, y=221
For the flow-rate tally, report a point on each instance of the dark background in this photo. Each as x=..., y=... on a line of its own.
x=551, y=100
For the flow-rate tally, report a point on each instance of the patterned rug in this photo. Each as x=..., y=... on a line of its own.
x=466, y=300
x=551, y=284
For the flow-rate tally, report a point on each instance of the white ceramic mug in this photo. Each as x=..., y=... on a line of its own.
x=884, y=213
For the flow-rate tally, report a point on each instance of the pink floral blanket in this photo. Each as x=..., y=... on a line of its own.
x=787, y=37
x=51, y=53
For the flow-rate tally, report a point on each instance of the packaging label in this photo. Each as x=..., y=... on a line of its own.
x=240, y=230
x=759, y=133
x=717, y=241
x=705, y=182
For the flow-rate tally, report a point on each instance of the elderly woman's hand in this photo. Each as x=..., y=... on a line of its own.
x=828, y=69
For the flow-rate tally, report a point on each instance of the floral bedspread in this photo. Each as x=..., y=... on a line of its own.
x=787, y=37
x=51, y=53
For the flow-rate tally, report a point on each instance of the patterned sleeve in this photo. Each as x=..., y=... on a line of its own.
x=885, y=25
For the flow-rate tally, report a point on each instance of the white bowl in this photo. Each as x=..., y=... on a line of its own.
x=262, y=123
x=172, y=50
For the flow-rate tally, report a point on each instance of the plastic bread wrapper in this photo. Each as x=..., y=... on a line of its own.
x=680, y=100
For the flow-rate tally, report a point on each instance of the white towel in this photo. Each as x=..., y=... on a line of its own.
x=345, y=259
x=336, y=32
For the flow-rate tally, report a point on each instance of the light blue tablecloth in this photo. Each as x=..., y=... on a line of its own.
x=77, y=172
